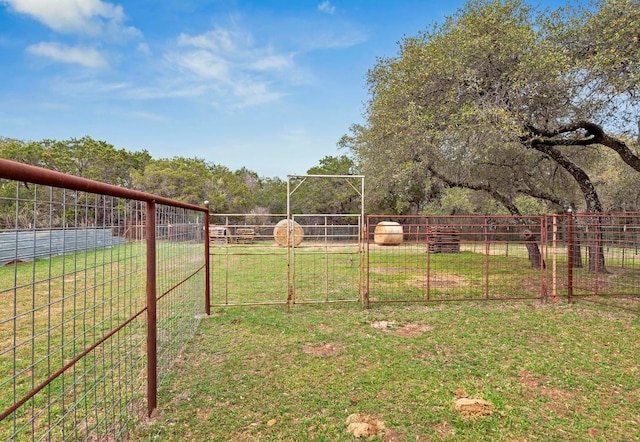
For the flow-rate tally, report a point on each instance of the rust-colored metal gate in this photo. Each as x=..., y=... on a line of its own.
x=420, y=258
x=428, y=258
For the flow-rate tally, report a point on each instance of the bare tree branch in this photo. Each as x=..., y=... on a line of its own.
x=584, y=133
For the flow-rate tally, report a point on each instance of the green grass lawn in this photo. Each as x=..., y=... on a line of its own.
x=549, y=371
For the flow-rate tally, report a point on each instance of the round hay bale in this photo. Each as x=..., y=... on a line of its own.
x=296, y=234
x=388, y=233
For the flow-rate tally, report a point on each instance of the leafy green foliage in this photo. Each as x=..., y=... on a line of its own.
x=327, y=194
x=504, y=99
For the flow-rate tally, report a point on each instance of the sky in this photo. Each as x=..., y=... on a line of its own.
x=268, y=85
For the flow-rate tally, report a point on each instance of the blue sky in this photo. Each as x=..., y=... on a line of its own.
x=269, y=85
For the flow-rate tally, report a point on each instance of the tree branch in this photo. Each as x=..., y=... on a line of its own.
x=502, y=199
x=584, y=182
x=594, y=134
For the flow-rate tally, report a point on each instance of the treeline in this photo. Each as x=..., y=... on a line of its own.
x=192, y=180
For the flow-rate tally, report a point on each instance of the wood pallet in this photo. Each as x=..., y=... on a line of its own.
x=218, y=235
x=443, y=241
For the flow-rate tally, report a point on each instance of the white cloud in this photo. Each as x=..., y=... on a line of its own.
x=218, y=40
x=332, y=39
x=92, y=17
x=229, y=63
x=144, y=48
x=273, y=62
x=203, y=64
x=252, y=93
x=149, y=116
x=327, y=7
x=87, y=57
x=167, y=91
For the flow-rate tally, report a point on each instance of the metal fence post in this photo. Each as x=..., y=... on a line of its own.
x=570, y=251
x=486, y=257
x=152, y=354
x=207, y=264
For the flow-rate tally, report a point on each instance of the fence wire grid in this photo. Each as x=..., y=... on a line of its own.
x=427, y=258
x=594, y=257
x=74, y=356
x=253, y=262
x=100, y=288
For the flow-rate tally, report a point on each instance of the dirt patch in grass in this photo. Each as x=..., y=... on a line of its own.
x=440, y=281
x=364, y=425
x=537, y=383
x=323, y=349
x=444, y=430
x=437, y=280
x=391, y=435
x=410, y=330
x=472, y=406
x=383, y=325
x=324, y=328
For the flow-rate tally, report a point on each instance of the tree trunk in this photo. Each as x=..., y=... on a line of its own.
x=577, y=252
x=596, y=248
x=592, y=200
x=535, y=257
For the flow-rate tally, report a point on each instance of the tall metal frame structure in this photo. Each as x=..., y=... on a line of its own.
x=357, y=183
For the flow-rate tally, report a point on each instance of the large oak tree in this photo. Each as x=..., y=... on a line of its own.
x=505, y=100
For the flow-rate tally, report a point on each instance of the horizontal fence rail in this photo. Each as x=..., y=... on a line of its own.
x=418, y=258
x=100, y=288
x=593, y=257
x=257, y=259
x=598, y=257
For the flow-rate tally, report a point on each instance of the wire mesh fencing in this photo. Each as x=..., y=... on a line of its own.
x=417, y=258
x=248, y=266
x=76, y=358
x=592, y=257
x=180, y=259
x=327, y=266
x=326, y=258
x=267, y=259
x=596, y=257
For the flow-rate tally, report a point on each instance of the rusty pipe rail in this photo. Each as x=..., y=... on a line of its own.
x=13, y=170
x=20, y=172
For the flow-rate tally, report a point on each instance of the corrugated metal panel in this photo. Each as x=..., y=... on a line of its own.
x=28, y=245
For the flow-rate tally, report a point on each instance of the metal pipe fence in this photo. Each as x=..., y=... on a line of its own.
x=596, y=258
x=418, y=258
x=593, y=257
x=321, y=261
x=100, y=289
